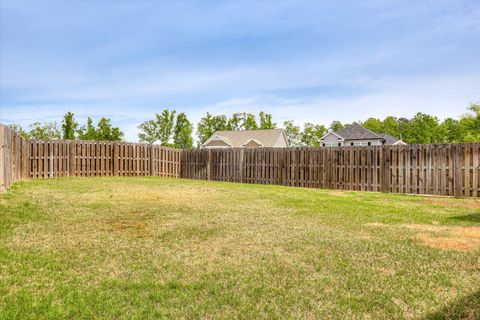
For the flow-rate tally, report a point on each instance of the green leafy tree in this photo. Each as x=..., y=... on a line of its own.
x=266, y=121
x=249, y=121
x=374, y=124
x=88, y=132
x=104, y=131
x=311, y=134
x=235, y=122
x=242, y=121
x=403, y=129
x=209, y=124
x=44, y=131
x=336, y=125
x=293, y=133
x=17, y=128
x=440, y=134
x=423, y=128
x=451, y=127
x=165, y=123
x=149, y=131
x=391, y=126
x=182, y=132
x=469, y=124
x=69, y=126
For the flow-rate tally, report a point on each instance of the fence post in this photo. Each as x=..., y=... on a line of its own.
x=72, y=158
x=209, y=164
x=25, y=157
x=386, y=169
x=152, y=173
x=50, y=158
x=475, y=167
x=179, y=163
x=280, y=166
x=457, y=170
x=241, y=164
x=115, y=159
x=2, y=157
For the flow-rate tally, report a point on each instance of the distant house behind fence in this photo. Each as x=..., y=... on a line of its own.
x=357, y=136
x=272, y=138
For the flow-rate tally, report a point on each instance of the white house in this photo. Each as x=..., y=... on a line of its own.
x=356, y=135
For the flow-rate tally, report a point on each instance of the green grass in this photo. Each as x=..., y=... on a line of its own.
x=123, y=248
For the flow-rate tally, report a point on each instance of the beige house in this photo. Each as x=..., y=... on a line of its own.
x=357, y=136
x=271, y=138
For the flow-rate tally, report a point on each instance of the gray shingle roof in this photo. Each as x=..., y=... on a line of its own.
x=389, y=140
x=357, y=132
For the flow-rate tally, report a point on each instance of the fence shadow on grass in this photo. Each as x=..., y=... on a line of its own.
x=465, y=308
x=472, y=217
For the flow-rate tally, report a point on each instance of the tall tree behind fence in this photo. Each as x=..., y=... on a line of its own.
x=416, y=169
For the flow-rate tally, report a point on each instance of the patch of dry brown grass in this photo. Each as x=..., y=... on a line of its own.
x=463, y=239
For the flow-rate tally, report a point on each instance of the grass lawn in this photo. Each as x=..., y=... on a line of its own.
x=169, y=248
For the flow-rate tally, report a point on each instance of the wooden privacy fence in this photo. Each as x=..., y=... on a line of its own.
x=450, y=169
x=13, y=157
x=22, y=159
x=417, y=169
x=62, y=158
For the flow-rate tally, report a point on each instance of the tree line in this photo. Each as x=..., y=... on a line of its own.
x=175, y=130
x=70, y=129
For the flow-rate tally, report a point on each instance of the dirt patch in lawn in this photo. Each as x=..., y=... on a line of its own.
x=338, y=194
x=377, y=224
x=463, y=244
x=442, y=237
x=133, y=224
x=456, y=238
x=135, y=228
x=387, y=272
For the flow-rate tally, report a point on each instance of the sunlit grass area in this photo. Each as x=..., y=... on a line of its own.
x=123, y=248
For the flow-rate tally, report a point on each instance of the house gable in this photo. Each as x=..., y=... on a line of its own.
x=252, y=143
x=217, y=141
x=282, y=141
x=331, y=137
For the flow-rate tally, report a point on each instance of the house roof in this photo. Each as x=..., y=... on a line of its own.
x=268, y=137
x=357, y=132
x=389, y=140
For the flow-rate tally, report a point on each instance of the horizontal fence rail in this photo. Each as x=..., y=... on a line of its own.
x=415, y=169
x=447, y=169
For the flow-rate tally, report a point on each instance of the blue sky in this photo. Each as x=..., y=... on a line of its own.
x=314, y=61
